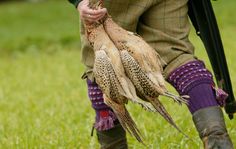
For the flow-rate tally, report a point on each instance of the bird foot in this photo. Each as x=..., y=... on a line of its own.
x=178, y=99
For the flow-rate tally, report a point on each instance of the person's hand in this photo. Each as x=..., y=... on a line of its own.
x=90, y=15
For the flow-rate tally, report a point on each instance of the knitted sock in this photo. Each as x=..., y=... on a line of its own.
x=104, y=115
x=195, y=80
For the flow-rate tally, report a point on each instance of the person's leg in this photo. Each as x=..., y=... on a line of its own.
x=109, y=132
x=165, y=26
x=195, y=80
x=114, y=138
x=211, y=127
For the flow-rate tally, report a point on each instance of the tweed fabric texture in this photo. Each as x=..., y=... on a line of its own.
x=163, y=24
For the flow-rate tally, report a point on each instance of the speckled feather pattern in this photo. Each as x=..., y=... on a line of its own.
x=108, y=77
x=142, y=65
x=125, y=65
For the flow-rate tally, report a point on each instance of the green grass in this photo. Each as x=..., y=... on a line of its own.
x=43, y=101
x=46, y=26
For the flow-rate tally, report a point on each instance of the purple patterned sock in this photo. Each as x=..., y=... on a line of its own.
x=104, y=116
x=195, y=80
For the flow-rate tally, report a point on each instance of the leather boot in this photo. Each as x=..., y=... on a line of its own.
x=114, y=138
x=212, y=129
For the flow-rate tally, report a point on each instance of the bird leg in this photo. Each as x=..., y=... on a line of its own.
x=178, y=99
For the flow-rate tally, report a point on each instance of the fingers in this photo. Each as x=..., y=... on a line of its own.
x=93, y=11
x=94, y=15
x=90, y=15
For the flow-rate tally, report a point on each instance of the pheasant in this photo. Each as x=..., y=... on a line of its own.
x=142, y=65
x=110, y=76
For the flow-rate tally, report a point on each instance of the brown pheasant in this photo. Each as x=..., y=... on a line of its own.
x=110, y=76
x=143, y=66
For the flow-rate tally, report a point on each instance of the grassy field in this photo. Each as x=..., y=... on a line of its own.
x=43, y=101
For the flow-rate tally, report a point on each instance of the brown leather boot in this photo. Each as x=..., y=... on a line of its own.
x=114, y=138
x=211, y=128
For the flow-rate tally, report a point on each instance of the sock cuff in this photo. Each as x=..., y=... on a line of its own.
x=190, y=75
x=105, y=117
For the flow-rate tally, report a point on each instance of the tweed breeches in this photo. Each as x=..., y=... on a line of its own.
x=163, y=24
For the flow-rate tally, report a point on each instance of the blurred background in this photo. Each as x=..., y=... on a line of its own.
x=43, y=101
